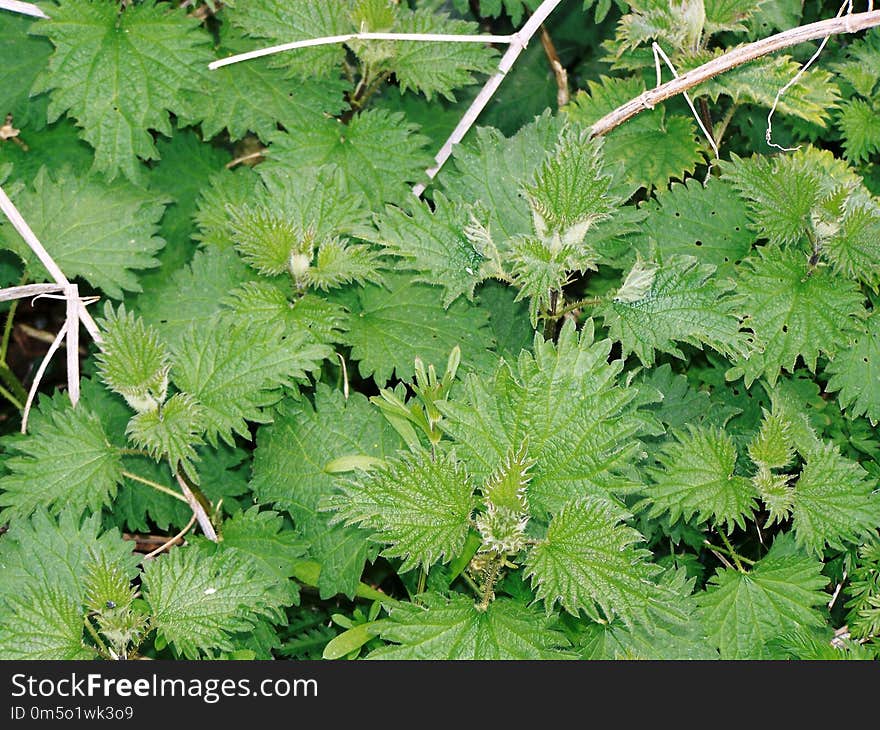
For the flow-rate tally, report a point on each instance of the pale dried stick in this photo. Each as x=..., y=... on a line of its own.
x=24, y=230
x=15, y=6
x=197, y=509
x=518, y=43
x=39, y=376
x=171, y=541
x=331, y=39
x=658, y=53
x=73, y=343
x=28, y=290
x=768, y=134
x=736, y=57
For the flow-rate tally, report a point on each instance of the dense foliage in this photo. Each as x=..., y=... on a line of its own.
x=589, y=398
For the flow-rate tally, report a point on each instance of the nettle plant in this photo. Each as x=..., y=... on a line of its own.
x=654, y=435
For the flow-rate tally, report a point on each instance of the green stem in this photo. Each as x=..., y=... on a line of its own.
x=470, y=581
x=489, y=586
x=423, y=579
x=155, y=485
x=731, y=553
x=722, y=125
x=102, y=648
x=580, y=303
x=11, y=398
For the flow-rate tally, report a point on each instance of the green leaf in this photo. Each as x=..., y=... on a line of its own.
x=289, y=472
x=570, y=193
x=394, y=326
x=65, y=461
x=436, y=68
x=119, y=73
x=697, y=477
x=587, y=562
x=198, y=599
x=434, y=245
x=98, y=231
x=282, y=21
x=704, y=221
x=22, y=57
x=42, y=583
x=253, y=97
x=855, y=373
x=566, y=399
x=261, y=537
x=834, y=502
x=853, y=243
x=264, y=304
x=793, y=311
x=223, y=190
x=339, y=262
x=454, y=628
x=42, y=624
x=236, y=372
x=680, y=302
x=491, y=170
x=171, y=432
x=652, y=148
x=420, y=505
x=744, y=611
x=133, y=361
x=781, y=192
x=193, y=296
x=379, y=153
x=728, y=15
x=493, y=8
x=856, y=121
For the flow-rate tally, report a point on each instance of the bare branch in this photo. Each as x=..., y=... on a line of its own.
x=738, y=56
x=198, y=511
x=517, y=44
x=331, y=39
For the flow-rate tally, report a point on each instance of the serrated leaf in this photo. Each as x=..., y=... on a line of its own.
x=43, y=567
x=171, y=431
x=289, y=471
x=773, y=445
x=834, y=502
x=65, y=461
x=781, y=593
x=22, y=57
x=198, y=599
x=262, y=538
x=587, y=562
x=193, y=295
x=434, y=245
x=855, y=373
x=853, y=246
x=283, y=21
x=491, y=170
x=407, y=320
x=857, y=121
x=652, y=148
x=683, y=303
x=265, y=304
x=97, y=74
x=453, y=628
x=133, y=361
x=566, y=399
x=101, y=232
x=418, y=504
x=237, y=372
x=339, y=262
x=728, y=15
x=222, y=191
x=379, y=153
x=704, y=221
x=254, y=97
x=793, y=311
x=697, y=478
x=436, y=68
